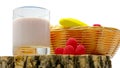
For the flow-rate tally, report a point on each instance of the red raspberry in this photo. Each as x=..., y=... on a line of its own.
x=96, y=25
x=69, y=50
x=59, y=51
x=72, y=42
x=80, y=50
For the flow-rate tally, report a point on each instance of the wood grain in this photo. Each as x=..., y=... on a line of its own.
x=56, y=61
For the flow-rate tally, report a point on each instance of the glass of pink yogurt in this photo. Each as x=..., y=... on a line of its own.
x=31, y=32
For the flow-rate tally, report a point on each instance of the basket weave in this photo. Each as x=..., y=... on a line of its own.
x=97, y=40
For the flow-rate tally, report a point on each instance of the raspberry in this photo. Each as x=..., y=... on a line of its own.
x=96, y=25
x=59, y=51
x=69, y=50
x=72, y=42
x=80, y=50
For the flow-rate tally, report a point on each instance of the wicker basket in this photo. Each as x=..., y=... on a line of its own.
x=97, y=40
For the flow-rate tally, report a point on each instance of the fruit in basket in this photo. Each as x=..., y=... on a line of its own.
x=96, y=25
x=71, y=47
x=97, y=39
x=70, y=22
x=69, y=50
x=80, y=50
x=72, y=42
x=59, y=51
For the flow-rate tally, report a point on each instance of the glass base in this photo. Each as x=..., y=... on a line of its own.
x=31, y=51
x=43, y=51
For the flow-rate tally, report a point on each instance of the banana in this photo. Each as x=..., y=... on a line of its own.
x=70, y=22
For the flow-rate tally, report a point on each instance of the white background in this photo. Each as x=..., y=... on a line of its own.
x=105, y=12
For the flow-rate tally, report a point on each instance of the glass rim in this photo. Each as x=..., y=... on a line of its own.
x=36, y=9
x=30, y=7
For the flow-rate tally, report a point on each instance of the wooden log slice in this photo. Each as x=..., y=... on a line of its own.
x=56, y=61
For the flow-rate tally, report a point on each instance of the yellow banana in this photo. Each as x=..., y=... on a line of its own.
x=70, y=22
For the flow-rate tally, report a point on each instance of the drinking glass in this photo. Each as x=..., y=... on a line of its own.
x=31, y=32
